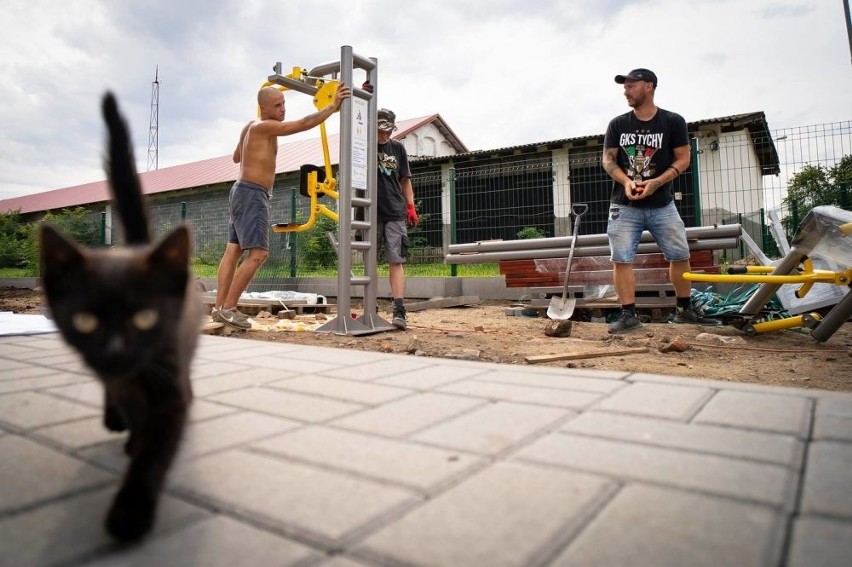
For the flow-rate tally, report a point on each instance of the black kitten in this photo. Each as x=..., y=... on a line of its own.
x=133, y=315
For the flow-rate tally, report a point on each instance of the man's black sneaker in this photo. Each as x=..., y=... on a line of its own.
x=398, y=320
x=691, y=315
x=626, y=320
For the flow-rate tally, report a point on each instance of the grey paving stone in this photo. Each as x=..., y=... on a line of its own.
x=645, y=525
x=404, y=463
x=16, y=370
x=289, y=365
x=39, y=382
x=201, y=410
x=311, y=501
x=347, y=390
x=403, y=417
x=287, y=404
x=657, y=400
x=522, y=394
x=492, y=429
x=561, y=381
x=833, y=419
x=205, y=387
x=13, y=351
x=79, y=434
x=760, y=482
x=369, y=371
x=212, y=542
x=726, y=441
x=63, y=532
x=828, y=478
x=428, y=378
x=341, y=561
x=89, y=392
x=820, y=542
x=205, y=369
x=505, y=515
x=768, y=412
x=24, y=461
x=230, y=430
x=27, y=410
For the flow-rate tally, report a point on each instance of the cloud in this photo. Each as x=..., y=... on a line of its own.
x=513, y=72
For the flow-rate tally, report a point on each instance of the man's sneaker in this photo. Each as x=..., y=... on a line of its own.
x=626, y=320
x=232, y=317
x=691, y=315
x=398, y=320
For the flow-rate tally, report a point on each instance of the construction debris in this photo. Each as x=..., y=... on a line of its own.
x=444, y=302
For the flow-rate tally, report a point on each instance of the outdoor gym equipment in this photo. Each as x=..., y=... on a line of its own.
x=826, y=233
x=355, y=189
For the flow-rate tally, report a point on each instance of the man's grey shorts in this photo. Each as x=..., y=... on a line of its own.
x=626, y=224
x=249, y=222
x=394, y=235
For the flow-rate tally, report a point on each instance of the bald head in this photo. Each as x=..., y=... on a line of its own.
x=271, y=103
x=268, y=95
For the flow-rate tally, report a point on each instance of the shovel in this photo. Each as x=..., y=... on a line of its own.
x=561, y=309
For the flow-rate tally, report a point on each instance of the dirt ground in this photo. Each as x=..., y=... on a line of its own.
x=484, y=332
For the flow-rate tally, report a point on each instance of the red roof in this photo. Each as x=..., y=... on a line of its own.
x=197, y=174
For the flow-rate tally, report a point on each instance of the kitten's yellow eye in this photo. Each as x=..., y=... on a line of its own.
x=145, y=320
x=85, y=322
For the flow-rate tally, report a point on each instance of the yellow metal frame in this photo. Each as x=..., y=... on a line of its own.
x=807, y=276
x=324, y=96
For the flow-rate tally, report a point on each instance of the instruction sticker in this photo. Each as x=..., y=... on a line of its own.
x=360, y=123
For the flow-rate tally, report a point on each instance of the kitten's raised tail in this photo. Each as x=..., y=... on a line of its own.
x=121, y=170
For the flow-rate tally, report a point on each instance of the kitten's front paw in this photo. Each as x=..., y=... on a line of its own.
x=113, y=420
x=131, y=515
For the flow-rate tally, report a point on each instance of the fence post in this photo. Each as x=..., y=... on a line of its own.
x=183, y=211
x=696, y=181
x=291, y=235
x=844, y=196
x=453, y=235
x=103, y=228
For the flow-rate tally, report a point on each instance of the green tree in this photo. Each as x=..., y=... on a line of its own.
x=13, y=235
x=816, y=185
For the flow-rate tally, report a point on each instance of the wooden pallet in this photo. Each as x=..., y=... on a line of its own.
x=585, y=271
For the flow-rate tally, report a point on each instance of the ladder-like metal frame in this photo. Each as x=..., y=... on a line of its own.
x=369, y=322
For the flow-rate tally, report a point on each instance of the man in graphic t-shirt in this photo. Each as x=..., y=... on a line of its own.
x=644, y=151
x=395, y=205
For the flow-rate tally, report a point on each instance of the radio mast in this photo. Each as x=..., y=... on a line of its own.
x=153, y=137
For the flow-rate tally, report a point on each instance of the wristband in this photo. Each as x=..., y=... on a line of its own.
x=675, y=170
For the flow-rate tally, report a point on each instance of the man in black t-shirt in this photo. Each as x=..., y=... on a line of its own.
x=395, y=207
x=644, y=151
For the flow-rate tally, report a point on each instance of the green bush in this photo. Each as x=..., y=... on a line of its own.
x=530, y=232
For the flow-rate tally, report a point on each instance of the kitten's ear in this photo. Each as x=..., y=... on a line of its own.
x=59, y=255
x=173, y=251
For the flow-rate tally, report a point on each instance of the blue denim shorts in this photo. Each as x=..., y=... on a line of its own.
x=626, y=224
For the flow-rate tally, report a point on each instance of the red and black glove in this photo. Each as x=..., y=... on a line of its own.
x=411, y=216
x=367, y=86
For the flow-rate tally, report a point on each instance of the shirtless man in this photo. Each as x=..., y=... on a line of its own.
x=248, y=201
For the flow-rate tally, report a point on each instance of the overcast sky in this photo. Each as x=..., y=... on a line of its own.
x=501, y=72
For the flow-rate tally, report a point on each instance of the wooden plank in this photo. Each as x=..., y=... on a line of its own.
x=535, y=359
x=444, y=302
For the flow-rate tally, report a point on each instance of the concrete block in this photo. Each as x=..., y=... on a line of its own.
x=657, y=400
x=509, y=514
x=759, y=482
x=492, y=429
x=645, y=525
x=405, y=416
x=828, y=476
x=767, y=412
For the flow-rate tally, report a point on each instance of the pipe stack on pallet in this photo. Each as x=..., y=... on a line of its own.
x=540, y=263
x=715, y=237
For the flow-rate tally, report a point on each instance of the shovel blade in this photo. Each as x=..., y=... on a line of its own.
x=561, y=308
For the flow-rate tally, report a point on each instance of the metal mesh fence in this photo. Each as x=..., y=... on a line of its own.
x=734, y=178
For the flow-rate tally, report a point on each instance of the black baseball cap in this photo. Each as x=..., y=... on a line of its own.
x=638, y=75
